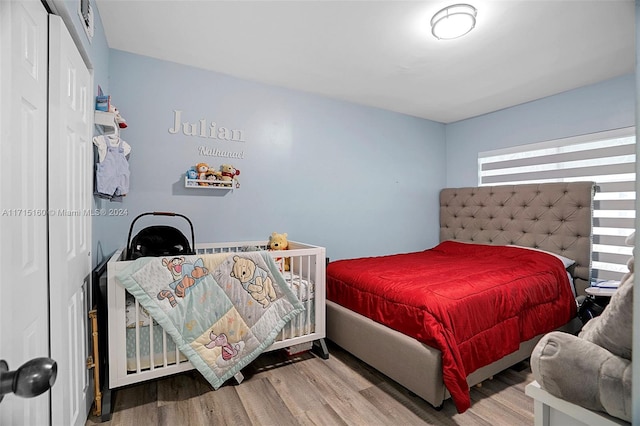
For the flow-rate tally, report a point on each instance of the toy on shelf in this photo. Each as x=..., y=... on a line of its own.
x=192, y=175
x=229, y=174
x=213, y=177
x=202, y=175
x=201, y=170
x=122, y=123
x=102, y=101
x=107, y=116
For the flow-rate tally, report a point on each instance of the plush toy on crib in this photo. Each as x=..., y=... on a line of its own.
x=279, y=242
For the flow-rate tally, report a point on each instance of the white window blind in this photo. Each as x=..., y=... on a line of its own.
x=607, y=158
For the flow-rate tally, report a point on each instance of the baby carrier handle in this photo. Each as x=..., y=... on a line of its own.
x=193, y=236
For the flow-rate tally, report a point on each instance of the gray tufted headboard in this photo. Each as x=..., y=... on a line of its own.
x=556, y=217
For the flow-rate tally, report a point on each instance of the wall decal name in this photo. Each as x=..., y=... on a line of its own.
x=215, y=152
x=204, y=129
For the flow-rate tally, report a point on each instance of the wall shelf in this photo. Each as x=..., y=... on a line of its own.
x=219, y=185
x=106, y=121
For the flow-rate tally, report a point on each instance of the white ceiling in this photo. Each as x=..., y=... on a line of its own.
x=382, y=53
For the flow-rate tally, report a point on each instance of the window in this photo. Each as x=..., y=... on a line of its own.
x=607, y=158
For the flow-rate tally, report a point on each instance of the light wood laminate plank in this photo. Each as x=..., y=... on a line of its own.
x=307, y=390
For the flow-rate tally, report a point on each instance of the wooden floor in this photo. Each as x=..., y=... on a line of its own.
x=307, y=390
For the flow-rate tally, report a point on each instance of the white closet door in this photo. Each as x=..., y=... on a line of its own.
x=70, y=201
x=24, y=319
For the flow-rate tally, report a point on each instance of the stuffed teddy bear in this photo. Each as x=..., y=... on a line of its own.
x=594, y=368
x=254, y=280
x=229, y=174
x=279, y=242
x=213, y=177
x=201, y=170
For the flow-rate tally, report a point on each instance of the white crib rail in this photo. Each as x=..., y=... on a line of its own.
x=307, y=264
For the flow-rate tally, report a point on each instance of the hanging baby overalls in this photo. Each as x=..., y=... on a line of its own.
x=112, y=172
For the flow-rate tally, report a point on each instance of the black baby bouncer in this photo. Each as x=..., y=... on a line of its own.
x=159, y=240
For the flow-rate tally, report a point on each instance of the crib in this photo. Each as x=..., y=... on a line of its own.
x=140, y=350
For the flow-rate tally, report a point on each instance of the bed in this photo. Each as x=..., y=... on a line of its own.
x=140, y=349
x=521, y=224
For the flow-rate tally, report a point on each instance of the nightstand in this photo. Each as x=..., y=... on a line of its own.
x=595, y=302
x=605, y=292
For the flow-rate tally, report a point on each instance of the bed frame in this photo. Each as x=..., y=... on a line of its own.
x=307, y=262
x=556, y=217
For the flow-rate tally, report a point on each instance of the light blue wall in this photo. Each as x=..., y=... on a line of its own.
x=327, y=172
x=603, y=106
x=95, y=50
x=358, y=180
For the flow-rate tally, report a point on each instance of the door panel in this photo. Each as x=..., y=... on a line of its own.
x=70, y=201
x=24, y=321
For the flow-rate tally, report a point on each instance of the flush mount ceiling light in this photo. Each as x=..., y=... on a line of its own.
x=453, y=21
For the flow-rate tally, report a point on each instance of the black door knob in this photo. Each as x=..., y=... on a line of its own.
x=31, y=379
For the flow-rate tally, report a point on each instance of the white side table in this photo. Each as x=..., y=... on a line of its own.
x=597, y=299
x=549, y=410
x=600, y=291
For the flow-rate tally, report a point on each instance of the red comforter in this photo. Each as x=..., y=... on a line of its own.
x=475, y=303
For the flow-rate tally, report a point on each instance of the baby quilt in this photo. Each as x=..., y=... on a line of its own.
x=222, y=310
